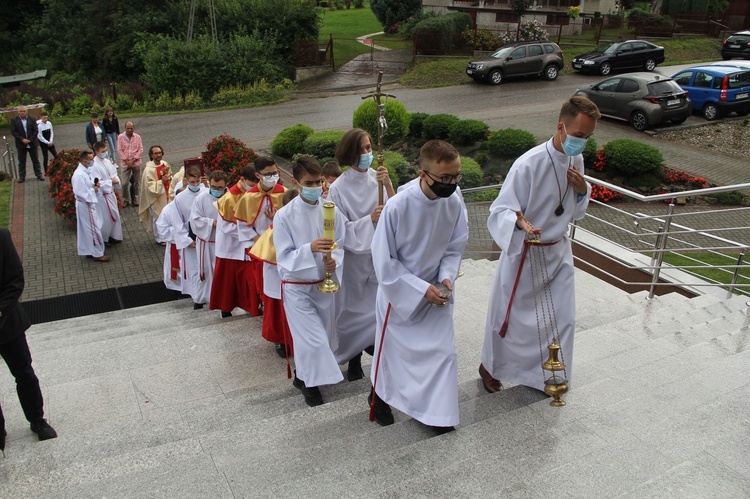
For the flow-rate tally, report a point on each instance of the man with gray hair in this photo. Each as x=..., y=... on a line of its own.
x=130, y=149
x=25, y=131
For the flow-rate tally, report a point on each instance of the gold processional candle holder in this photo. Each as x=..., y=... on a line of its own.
x=555, y=386
x=329, y=216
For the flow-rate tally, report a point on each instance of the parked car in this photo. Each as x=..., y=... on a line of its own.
x=609, y=56
x=717, y=90
x=734, y=63
x=737, y=45
x=530, y=58
x=643, y=99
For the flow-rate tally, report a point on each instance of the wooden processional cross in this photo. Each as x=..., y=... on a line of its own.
x=380, y=99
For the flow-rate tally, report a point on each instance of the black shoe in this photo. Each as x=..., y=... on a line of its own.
x=312, y=396
x=21, y=180
x=41, y=179
x=3, y=434
x=197, y=306
x=296, y=382
x=370, y=350
x=224, y=315
x=355, y=369
x=43, y=430
x=280, y=350
x=383, y=413
x=441, y=430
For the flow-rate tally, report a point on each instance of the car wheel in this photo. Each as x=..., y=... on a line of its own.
x=725, y=57
x=679, y=121
x=650, y=64
x=551, y=72
x=639, y=121
x=711, y=112
x=496, y=77
x=605, y=68
x=743, y=113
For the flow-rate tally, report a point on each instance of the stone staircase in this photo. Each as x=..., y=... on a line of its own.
x=164, y=401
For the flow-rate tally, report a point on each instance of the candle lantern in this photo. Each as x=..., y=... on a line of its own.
x=329, y=232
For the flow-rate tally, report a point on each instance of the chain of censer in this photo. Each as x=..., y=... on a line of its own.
x=543, y=300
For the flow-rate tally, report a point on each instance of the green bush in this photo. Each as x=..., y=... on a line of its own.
x=443, y=34
x=358, y=4
x=323, y=143
x=291, y=140
x=398, y=167
x=481, y=39
x=193, y=100
x=731, y=198
x=481, y=196
x=480, y=157
x=391, y=12
x=80, y=105
x=398, y=119
x=416, y=124
x=510, y=142
x=589, y=153
x=466, y=132
x=472, y=173
x=631, y=158
x=438, y=126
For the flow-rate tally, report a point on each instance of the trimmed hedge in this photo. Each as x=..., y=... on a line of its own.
x=398, y=119
x=466, y=132
x=472, y=173
x=510, y=142
x=323, y=144
x=438, y=126
x=416, y=124
x=398, y=167
x=590, y=152
x=631, y=158
x=291, y=140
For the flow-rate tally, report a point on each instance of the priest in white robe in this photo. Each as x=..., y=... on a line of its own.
x=300, y=252
x=203, y=224
x=185, y=240
x=355, y=194
x=167, y=230
x=542, y=193
x=419, y=242
x=109, y=181
x=88, y=221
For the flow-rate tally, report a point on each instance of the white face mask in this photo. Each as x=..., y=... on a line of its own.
x=269, y=182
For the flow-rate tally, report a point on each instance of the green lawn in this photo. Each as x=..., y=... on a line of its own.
x=5, y=187
x=345, y=26
x=436, y=73
x=720, y=275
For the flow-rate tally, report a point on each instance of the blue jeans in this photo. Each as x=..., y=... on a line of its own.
x=112, y=143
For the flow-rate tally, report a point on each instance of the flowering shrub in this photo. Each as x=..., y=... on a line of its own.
x=680, y=177
x=227, y=154
x=604, y=194
x=481, y=39
x=529, y=30
x=60, y=172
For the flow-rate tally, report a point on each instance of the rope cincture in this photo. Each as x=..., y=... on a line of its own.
x=377, y=364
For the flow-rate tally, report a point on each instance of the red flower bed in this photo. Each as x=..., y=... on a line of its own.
x=604, y=194
x=680, y=177
x=60, y=172
x=600, y=163
x=228, y=154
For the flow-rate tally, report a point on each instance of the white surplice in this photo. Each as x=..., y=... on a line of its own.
x=418, y=241
x=309, y=312
x=104, y=170
x=355, y=194
x=167, y=229
x=202, y=218
x=88, y=221
x=531, y=188
x=189, y=268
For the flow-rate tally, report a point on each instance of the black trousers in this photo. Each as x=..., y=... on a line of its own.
x=45, y=149
x=22, y=152
x=18, y=357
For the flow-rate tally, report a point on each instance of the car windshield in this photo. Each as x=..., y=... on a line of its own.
x=607, y=47
x=663, y=87
x=502, y=53
x=739, y=80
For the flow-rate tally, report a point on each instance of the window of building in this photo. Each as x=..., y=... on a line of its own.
x=506, y=17
x=558, y=19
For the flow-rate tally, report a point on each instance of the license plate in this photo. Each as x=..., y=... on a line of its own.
x=673, y=102
x=741, y=96
x=577, y=66
x=734, y=46
x=469, y=71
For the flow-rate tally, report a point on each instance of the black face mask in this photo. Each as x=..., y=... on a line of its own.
x=442, y=189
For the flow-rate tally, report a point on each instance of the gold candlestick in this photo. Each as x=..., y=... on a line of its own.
x=329, y=216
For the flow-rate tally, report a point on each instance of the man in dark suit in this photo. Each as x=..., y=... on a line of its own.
x=25, y=131
x=13, y=346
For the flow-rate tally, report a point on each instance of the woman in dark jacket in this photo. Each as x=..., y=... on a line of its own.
x=112, y=129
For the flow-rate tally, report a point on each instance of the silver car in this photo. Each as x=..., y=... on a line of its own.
x=643, y=99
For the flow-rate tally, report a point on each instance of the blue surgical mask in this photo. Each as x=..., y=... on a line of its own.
x=217, y=193
x=194, y=188
x=573, y=146
x=103, y=155
x=365, y=160
x=312, y=193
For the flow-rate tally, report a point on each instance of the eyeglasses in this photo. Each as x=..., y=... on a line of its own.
x=446, y=179
x=269, y=175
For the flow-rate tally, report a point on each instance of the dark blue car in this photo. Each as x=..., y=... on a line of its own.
x=717, y=90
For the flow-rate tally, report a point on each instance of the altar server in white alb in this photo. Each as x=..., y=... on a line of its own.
x=416, y=250
x=185, y=239
x=542, y=193
x=109, y=181
x=168, y=230
x=88, y=222
x=203, y=224
x=355, y=194
x=301, y=257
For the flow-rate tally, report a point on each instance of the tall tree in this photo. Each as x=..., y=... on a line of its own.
x=390, y=12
